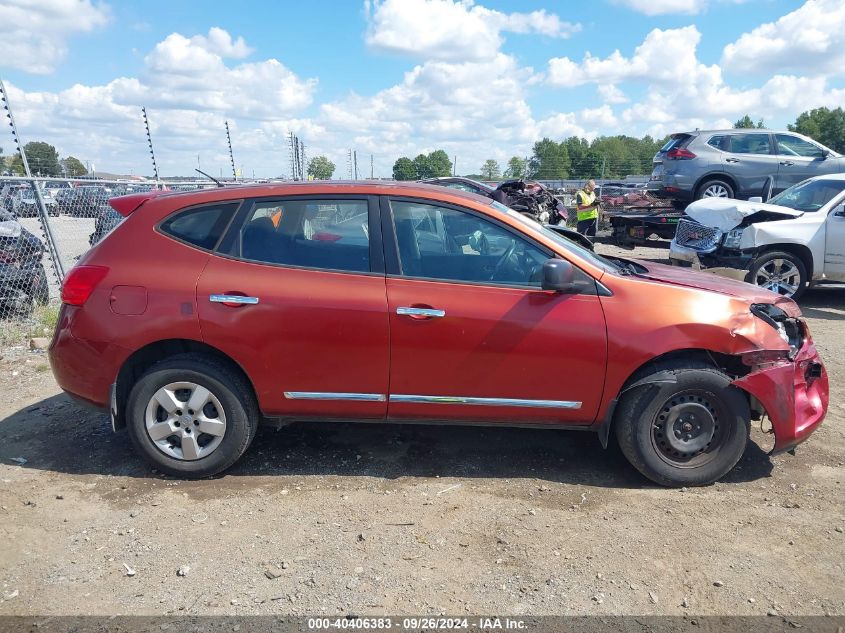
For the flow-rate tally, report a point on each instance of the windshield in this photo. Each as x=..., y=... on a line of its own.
x=596, y=260
x=810, y=195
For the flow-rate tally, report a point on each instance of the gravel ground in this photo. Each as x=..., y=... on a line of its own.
x=373, y=519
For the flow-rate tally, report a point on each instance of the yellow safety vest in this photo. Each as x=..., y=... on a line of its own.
x=585, y=199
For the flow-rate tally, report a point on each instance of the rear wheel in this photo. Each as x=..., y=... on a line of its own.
x=714, y=189
x=689, y=432
x=191, y=416
x=780, y=272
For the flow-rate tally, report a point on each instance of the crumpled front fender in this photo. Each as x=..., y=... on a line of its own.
x=794, y=393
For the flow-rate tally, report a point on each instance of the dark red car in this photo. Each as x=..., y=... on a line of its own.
x=205, y=313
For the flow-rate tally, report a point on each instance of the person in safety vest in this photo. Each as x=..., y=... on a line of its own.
x=587, y=207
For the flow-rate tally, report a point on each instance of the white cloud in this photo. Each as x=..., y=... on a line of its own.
x=665, y=56
x=452, y=30
x=33, y=33
x=610, y=94
x=660, y=7
x=810, y=39
x=663, y=7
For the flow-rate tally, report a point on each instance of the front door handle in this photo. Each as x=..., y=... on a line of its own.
x=233, y=301
x=731, y=160
x=788, y=163
x=420, y=313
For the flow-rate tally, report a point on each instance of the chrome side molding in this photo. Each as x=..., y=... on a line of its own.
x=490, y=402
x=331, y=395
x=403, y=398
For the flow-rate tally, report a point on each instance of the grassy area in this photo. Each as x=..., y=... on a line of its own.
x=41, y=322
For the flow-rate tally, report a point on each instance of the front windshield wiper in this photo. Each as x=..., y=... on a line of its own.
x=624, y=267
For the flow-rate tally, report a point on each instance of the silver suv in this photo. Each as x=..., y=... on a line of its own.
x=738, y=163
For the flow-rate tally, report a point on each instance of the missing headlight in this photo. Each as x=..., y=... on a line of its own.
x=789, y=328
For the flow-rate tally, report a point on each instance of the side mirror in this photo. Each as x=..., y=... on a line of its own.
x=839, y=211
x=559, y=276
x=755, y=199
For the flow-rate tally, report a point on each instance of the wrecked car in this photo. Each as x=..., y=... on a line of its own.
x=795, y=240
x=23, y=280
x=205, y=313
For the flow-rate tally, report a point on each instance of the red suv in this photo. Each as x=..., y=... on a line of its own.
x=206, y=313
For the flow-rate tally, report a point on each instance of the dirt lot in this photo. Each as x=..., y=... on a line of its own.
x=369, y=519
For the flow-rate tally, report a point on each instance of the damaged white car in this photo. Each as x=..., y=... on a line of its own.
x=795, y=240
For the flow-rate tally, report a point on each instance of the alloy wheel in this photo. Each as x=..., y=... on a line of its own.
x=185, y=421
x=779, y=275
x=716, y=191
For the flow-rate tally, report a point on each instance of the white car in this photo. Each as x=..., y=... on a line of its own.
x=794, y=240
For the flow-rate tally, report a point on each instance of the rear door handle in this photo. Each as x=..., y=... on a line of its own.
x=788, y=163
x=233, y=301
x=420, y=313
x=731, y=160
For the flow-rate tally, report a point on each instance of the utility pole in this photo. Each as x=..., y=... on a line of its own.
x=349, y=163
x=355, y=162
x=150, y=142
x=371, y=167
x=231, y=155
x=455, y=165
x=302, y=163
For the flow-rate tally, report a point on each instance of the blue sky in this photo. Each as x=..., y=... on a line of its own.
x=396, y=77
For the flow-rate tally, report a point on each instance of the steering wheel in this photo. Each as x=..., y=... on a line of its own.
x=501, y=263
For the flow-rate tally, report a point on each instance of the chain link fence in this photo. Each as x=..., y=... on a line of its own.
x=46, y=225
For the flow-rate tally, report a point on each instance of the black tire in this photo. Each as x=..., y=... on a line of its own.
x=714, y=183
x=231, y=390
x=701, y=397
x=767, y=263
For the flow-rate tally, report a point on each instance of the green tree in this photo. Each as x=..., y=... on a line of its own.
x=403, y=169
x=439, y=164
x=15, y=165
x=824, y=125
x=550, y=160
x=746, y=122
x=423, y=167
x=42, y=158
x=517, y=167
x=320, y=168
x=74, y=167
x=490, y=170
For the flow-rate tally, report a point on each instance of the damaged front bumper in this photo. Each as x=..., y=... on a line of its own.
x=794, y=394
x=731, y=264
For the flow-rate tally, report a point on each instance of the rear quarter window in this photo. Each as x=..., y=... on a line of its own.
x=200, y=226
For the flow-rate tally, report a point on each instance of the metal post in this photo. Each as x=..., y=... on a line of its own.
x=150, y=143
x=52, y=250
x=231, y=155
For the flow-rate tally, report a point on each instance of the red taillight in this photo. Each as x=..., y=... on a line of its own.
x=679, y=154
x=80, y=283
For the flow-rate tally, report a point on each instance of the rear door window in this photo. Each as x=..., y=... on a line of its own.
x=750, y=144
x=327, y=234
x=200, y=226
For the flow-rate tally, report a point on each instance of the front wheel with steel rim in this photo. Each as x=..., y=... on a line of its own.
x=781, y=272
x=191, y=416
x=686, y=425
x=715, y=189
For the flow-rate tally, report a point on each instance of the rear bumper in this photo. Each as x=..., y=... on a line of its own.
x=671, y=187
x=84, y=369
x=795, y=395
